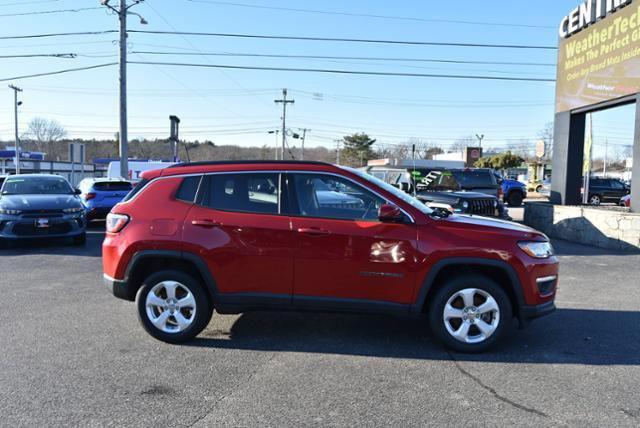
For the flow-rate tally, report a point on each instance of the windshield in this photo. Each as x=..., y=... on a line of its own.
x=36, y=186
x=394, y=191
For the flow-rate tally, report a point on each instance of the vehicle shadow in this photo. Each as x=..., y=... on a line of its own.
x=569, y=336
x=58, y=246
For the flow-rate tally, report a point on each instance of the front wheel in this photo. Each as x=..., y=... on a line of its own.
x=173, y=306
x=470, y=313
x=515, y=199
x=595, y=200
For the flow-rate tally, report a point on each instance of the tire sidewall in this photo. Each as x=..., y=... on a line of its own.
x=515, y=199
x=440, y=299
x=204, y=309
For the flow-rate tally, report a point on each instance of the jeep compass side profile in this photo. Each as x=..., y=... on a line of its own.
x=307, y=236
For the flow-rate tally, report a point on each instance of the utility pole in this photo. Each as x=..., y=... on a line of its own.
x=124, y=133
x=480, y=138
x=15, y=106
x=338, y=151
x=304, y=135
x=606, y=154
x=276, y=132
x=284, y=102
x=174, y=136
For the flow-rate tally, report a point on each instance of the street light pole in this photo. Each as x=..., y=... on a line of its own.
x=15, y=106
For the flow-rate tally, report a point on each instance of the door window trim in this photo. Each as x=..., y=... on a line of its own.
x=203, y=192
x=294, y=198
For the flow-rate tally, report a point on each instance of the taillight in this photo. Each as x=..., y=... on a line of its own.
x=116, y=222
x=500, y=192
x=88, y=196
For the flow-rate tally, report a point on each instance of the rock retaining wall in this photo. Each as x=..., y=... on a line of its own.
x=600, y=227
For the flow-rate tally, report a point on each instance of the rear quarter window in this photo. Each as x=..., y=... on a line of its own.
x=188, y=189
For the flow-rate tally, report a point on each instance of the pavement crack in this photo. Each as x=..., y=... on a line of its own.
x=495, y=393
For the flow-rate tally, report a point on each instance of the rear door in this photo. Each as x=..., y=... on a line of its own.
x=239, y=227
x=343, y=255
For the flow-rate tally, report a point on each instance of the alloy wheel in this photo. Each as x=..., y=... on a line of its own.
x=171, y=307
x=471, y=315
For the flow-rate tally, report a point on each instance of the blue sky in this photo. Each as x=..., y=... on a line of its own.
x=236, y=106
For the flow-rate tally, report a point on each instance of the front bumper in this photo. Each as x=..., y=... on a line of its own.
x=33, y=227
x=97, y=213
x=532, y=312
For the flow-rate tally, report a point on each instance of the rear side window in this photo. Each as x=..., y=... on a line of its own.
x=188, y=189
x=111, y=186
x=471, y=179
x=141, y=184
x=257, y=193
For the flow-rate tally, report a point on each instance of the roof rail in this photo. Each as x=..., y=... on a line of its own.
x=261, y=162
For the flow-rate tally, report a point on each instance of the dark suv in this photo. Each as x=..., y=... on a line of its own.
x=243, y=236
x=467, y=191
x=606, y=190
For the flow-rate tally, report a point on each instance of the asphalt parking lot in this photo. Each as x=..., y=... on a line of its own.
x=74, y=355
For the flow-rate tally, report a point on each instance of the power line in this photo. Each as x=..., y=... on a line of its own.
x=63, y=55
x=353, y=72
x=348, y=40
x=49, y=12
x=21, y=3
x=358, y=58
x=51, y=73
x=39, y=36
x=368, y=15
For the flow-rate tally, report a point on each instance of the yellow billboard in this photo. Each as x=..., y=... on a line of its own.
x=601, y=62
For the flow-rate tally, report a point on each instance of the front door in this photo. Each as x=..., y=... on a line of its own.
x=239, y=230
x=342, y=252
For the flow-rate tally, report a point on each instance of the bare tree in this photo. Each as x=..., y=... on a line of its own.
x=44, y=133
x=461, y=144
x=546, y=134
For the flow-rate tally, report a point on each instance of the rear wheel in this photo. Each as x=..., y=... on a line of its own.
x=595, y=200
x=470, y=313
x=515, y=199
x=173, y=306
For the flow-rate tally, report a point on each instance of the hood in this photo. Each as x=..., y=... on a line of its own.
x=514, y=183
x=39, y=202
x=465, y=223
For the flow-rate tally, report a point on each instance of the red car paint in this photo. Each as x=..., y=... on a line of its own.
x=302, y=257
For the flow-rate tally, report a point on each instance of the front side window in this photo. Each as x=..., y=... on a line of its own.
x=328, y=196
x=36, y=186
x=250, y=193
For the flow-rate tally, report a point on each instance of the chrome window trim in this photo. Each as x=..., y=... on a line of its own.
x=274, y=171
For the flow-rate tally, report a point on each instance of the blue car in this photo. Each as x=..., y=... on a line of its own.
x=99, y=195
x=40, y=206
x=514, y=192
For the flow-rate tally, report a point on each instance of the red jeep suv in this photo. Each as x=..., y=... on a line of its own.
x=243, y=236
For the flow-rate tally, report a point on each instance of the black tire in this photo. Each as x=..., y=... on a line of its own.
x=538, y=189
x=203, y=306
x=455, y=285
x=514, y=199
x=80, y=239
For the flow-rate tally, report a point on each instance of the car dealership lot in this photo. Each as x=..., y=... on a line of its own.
x=73, y=354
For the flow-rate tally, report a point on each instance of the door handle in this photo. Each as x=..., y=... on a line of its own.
x=314, y=231
x=207, y=224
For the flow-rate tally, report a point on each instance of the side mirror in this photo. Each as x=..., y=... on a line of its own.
x=403, y=186
x=389, y=213
x=77, y=192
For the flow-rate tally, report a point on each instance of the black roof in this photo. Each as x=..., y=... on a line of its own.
x=243, y=162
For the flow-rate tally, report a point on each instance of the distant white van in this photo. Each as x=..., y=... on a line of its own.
x=135, y=169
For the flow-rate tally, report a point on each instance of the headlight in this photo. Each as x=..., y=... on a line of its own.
x=8, y=211
x=465, y=205
x=495, y=204
x=73, y=210
x=537, y=250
